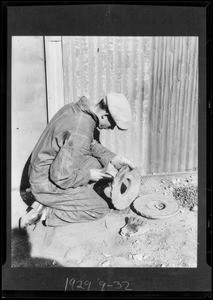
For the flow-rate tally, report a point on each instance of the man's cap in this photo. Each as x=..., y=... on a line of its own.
x=119, y=109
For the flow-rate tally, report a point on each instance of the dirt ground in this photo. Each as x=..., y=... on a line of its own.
x=169, y=242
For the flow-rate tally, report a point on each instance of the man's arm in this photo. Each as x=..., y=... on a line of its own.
x=103, y=154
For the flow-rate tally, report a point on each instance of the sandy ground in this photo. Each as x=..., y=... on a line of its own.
x=169, y=242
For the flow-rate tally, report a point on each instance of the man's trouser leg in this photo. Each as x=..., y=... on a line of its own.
x=81, y=204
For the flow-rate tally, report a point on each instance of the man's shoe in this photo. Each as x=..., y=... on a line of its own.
x=32, y=217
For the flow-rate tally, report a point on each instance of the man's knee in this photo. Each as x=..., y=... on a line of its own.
x=92, y=215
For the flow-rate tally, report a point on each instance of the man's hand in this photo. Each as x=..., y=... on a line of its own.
x=119, y=162
x=97, y=174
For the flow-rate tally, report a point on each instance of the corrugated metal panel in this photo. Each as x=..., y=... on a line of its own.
x=173, y=104
x=159, y=76
x=94, y=66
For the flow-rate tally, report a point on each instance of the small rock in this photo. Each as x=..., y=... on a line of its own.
x=130, y=256
x=135, y=242
x=106, y=255
x=194, y=208
x=138, y=256
x=156, y=190
x=105, y=263
x=79, y=261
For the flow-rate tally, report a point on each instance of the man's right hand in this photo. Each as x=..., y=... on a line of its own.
x=97, y=174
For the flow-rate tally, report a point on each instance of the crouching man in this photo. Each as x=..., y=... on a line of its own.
x=67, y=159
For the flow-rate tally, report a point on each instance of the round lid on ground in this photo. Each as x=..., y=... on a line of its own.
x=156, y=206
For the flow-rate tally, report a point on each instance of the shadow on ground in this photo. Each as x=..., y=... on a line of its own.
x=21, y=252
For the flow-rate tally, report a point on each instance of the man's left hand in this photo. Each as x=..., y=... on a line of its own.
x=119, y=161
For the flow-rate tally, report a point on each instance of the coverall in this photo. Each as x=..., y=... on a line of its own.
x=59, y=169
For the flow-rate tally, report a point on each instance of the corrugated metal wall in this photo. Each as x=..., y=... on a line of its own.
x=159, y=76
x=173, y=119
x=94, y=66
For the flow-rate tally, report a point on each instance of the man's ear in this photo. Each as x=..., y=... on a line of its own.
x=105, y=100
x=104, y=115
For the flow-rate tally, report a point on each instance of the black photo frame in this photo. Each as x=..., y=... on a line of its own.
x=150, y=18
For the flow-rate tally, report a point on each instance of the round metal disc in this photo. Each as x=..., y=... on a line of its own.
x=125, y=187
x=156, y=206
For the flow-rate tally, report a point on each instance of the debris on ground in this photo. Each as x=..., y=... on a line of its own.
x=137, y=257
x=134, y=226
x=186, y=196
x=122, y=238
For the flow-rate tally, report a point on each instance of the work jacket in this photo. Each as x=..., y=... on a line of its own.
x=56, y=161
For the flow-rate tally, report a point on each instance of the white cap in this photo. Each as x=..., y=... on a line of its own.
x=119, y=109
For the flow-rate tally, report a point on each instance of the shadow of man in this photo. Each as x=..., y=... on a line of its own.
x=21, y=252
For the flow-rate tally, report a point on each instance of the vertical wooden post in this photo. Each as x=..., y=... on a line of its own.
x=54, y=74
